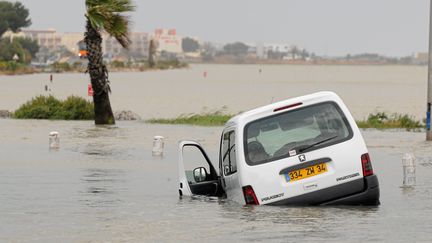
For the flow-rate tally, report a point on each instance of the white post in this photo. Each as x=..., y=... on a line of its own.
x=54, y=140
x=158, y=146
x=409, y=169
x=429, y=88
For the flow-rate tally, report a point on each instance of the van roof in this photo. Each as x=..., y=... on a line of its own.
x=270, y=109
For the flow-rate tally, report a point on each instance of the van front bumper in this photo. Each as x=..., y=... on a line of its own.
x=364, y=191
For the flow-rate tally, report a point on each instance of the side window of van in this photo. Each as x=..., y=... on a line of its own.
x=229, y=163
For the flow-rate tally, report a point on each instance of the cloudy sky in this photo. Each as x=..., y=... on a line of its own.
x=327, y=27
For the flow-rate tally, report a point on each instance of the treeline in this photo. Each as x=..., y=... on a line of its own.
x=239, y=51
x=15, y=52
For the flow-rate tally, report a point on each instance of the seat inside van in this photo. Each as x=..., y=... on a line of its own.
x=256, y=151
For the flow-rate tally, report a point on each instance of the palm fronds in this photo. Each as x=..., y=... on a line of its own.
x=109, y=16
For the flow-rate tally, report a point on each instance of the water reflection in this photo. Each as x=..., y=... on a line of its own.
x=100, y=142
x=102, y=187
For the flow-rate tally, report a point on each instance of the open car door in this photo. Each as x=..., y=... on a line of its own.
x=197, y=175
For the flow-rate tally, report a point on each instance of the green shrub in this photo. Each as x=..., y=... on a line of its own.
x=162, y=65
x=169, y=64
x=77, y=65
x=12, y=67
x=59, y=67
x=382, y=120
x=48, y=107
x=118, y=64
x=9, y=66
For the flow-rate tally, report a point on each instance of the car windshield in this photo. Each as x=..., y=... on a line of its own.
x=293, y=132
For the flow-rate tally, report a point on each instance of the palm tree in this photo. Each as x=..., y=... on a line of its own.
x=152, y=53
x=104, y=15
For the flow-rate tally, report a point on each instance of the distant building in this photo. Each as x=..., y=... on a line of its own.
x=281, y=48
x=168, y=41
x=140, y=44
x=71, y=40
x=421, y=58
x=138, y=48
x=52, y=40
x=281, y=51
x=110, y=46
x=45, y=38
x=260, y=51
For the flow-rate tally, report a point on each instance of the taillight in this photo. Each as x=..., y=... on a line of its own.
x=367, y=165
x=249, y=196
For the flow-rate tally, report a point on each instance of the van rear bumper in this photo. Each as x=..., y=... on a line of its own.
x=370, y=196
x=364, y=191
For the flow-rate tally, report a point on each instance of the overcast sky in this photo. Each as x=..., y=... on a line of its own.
x=327, y=27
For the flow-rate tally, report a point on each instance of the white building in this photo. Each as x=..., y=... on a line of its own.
x=45, y=38
x=168, y=41
x=70, y=41
x=139, y=46
x=282, y=48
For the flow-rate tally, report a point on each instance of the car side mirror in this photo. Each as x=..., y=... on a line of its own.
x=200, y=174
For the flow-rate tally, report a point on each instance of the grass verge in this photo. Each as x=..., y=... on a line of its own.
x=382, y=120
x=205, y=119
x=378, y=120
x=14, y=68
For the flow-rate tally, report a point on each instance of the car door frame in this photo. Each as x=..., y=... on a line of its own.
x=230, y=183
x=184, y=187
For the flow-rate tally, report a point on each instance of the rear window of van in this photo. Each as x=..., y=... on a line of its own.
x=295, y=132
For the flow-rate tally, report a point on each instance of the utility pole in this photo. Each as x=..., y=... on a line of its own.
x=429, y=88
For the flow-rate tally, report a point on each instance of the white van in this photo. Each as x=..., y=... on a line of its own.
x=302, y=151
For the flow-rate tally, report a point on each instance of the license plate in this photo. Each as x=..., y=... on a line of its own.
x=307, y=172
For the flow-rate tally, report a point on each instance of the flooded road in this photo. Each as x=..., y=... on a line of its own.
x=167, y=94
x=104, y=185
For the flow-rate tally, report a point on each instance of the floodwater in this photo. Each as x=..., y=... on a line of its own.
x=104, y=185
x=160, y=94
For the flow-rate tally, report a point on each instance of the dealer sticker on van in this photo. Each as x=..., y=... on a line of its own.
x=292, y=153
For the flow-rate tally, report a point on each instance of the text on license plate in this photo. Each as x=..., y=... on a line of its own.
x=307, y=172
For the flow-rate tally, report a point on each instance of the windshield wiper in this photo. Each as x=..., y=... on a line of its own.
x=301, y=150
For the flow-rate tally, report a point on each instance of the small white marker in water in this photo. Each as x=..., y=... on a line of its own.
x=54, y=140
x=158, y=146
x=408, y=163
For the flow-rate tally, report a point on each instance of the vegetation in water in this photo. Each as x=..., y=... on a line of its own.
x=205, y=119
x=147, y=65
x=48, y=107
x=60, y=67
x=379, y=120
x=169, y=64
x=382, y=120
x=12, y=68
